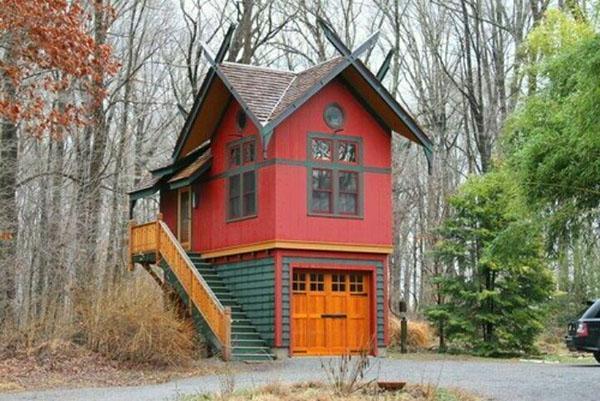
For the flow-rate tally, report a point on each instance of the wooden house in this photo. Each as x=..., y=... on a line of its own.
x=275, y=220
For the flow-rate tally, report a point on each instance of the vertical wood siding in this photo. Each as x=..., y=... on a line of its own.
x=168, y=208
x=290, y=143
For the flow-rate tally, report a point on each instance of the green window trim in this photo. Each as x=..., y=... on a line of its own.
x=335, y=176
x=242, y=182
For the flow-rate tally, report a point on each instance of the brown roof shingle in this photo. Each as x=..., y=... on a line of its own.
x=260, y=88
x=303, y=82
x=269, y=92
x=193, y=167
x=146, y=182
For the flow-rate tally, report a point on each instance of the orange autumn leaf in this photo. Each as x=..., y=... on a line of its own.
x=49, y=54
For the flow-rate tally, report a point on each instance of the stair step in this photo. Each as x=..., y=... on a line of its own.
x=221, y=289
x=248, y=342
x=239, y=315
x=242, y=323
x=250, y=349
x=242, y=327
x=212, y=282
x=250, y=336
x=225, y=300
x=208, y=273
x=253, y=357
x=199, y=262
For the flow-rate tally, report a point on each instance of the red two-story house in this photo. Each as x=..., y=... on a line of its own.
x=276, y=208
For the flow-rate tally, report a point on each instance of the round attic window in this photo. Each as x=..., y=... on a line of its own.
x=334, y=116
x=241, y=119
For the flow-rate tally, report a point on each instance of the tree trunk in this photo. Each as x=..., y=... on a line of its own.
x=9, y=217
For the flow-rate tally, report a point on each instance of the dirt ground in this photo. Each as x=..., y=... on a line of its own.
x=62, y=364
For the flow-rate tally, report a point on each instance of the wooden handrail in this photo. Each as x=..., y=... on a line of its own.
x=156, y=237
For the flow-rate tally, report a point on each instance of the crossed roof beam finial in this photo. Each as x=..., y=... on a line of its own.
x=266, y=128
x=349, y=58
x=218, y=59
x=375, y=81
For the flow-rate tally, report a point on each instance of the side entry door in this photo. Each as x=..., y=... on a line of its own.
x=184, y=217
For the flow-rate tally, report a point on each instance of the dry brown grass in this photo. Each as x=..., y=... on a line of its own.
x=420, y=334
x=125, y=336
x=29, y=336
x=312, y=391
x=129, y=323
x=132, y=324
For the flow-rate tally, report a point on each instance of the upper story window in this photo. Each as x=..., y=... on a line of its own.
x=242, y=179
x=334, y=116
x=335, y=176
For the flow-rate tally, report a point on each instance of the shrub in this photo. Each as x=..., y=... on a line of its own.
x=132, y=323
x=419, y=333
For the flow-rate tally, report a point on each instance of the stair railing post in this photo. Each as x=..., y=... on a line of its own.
x=130, y=264
x=159, y=218
x=227, y=332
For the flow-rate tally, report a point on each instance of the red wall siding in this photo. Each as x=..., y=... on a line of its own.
x=168, y=208
x=282, y=210
x=210, y=227
x=290, y=142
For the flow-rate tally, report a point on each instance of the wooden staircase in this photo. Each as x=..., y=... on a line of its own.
x=201, y=289
x=246, y=342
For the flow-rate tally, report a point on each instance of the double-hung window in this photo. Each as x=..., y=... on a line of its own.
x=241, y=179
x=335, y=176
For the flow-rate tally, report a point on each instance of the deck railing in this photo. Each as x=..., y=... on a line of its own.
x=156, y=237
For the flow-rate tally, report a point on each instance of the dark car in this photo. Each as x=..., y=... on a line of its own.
x=584, y=333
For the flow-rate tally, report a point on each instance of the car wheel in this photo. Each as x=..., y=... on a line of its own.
x=597, y=356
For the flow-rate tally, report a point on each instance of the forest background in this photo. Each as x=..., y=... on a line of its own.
x=497, y=245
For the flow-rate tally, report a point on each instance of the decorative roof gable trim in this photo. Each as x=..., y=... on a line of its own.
x=208, y=79
x=216, y=67
x=348, y=59
x=381, y=90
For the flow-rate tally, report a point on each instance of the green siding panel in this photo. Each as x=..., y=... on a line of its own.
x=252, y=283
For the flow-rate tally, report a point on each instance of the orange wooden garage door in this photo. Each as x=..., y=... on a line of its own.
x=330, y=312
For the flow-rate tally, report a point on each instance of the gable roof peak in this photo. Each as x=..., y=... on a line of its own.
x=258, y=67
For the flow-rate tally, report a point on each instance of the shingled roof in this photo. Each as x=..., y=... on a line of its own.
x=268, y=92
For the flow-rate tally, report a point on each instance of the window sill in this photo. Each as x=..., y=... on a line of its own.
x=253, y=216
x=336, y=216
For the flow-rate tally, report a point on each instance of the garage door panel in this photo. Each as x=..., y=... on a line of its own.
x=336, y=303
x=316, y=306
x=336, y=335
x=330, y=312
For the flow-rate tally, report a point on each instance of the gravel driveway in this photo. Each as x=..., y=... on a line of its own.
x=501, y=381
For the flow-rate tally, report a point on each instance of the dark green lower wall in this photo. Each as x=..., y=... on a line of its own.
x=285, y=291
x=253, y=285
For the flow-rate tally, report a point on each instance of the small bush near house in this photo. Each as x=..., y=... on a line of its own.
x=420, y=334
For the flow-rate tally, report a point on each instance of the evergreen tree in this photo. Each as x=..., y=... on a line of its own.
x=493, y=300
